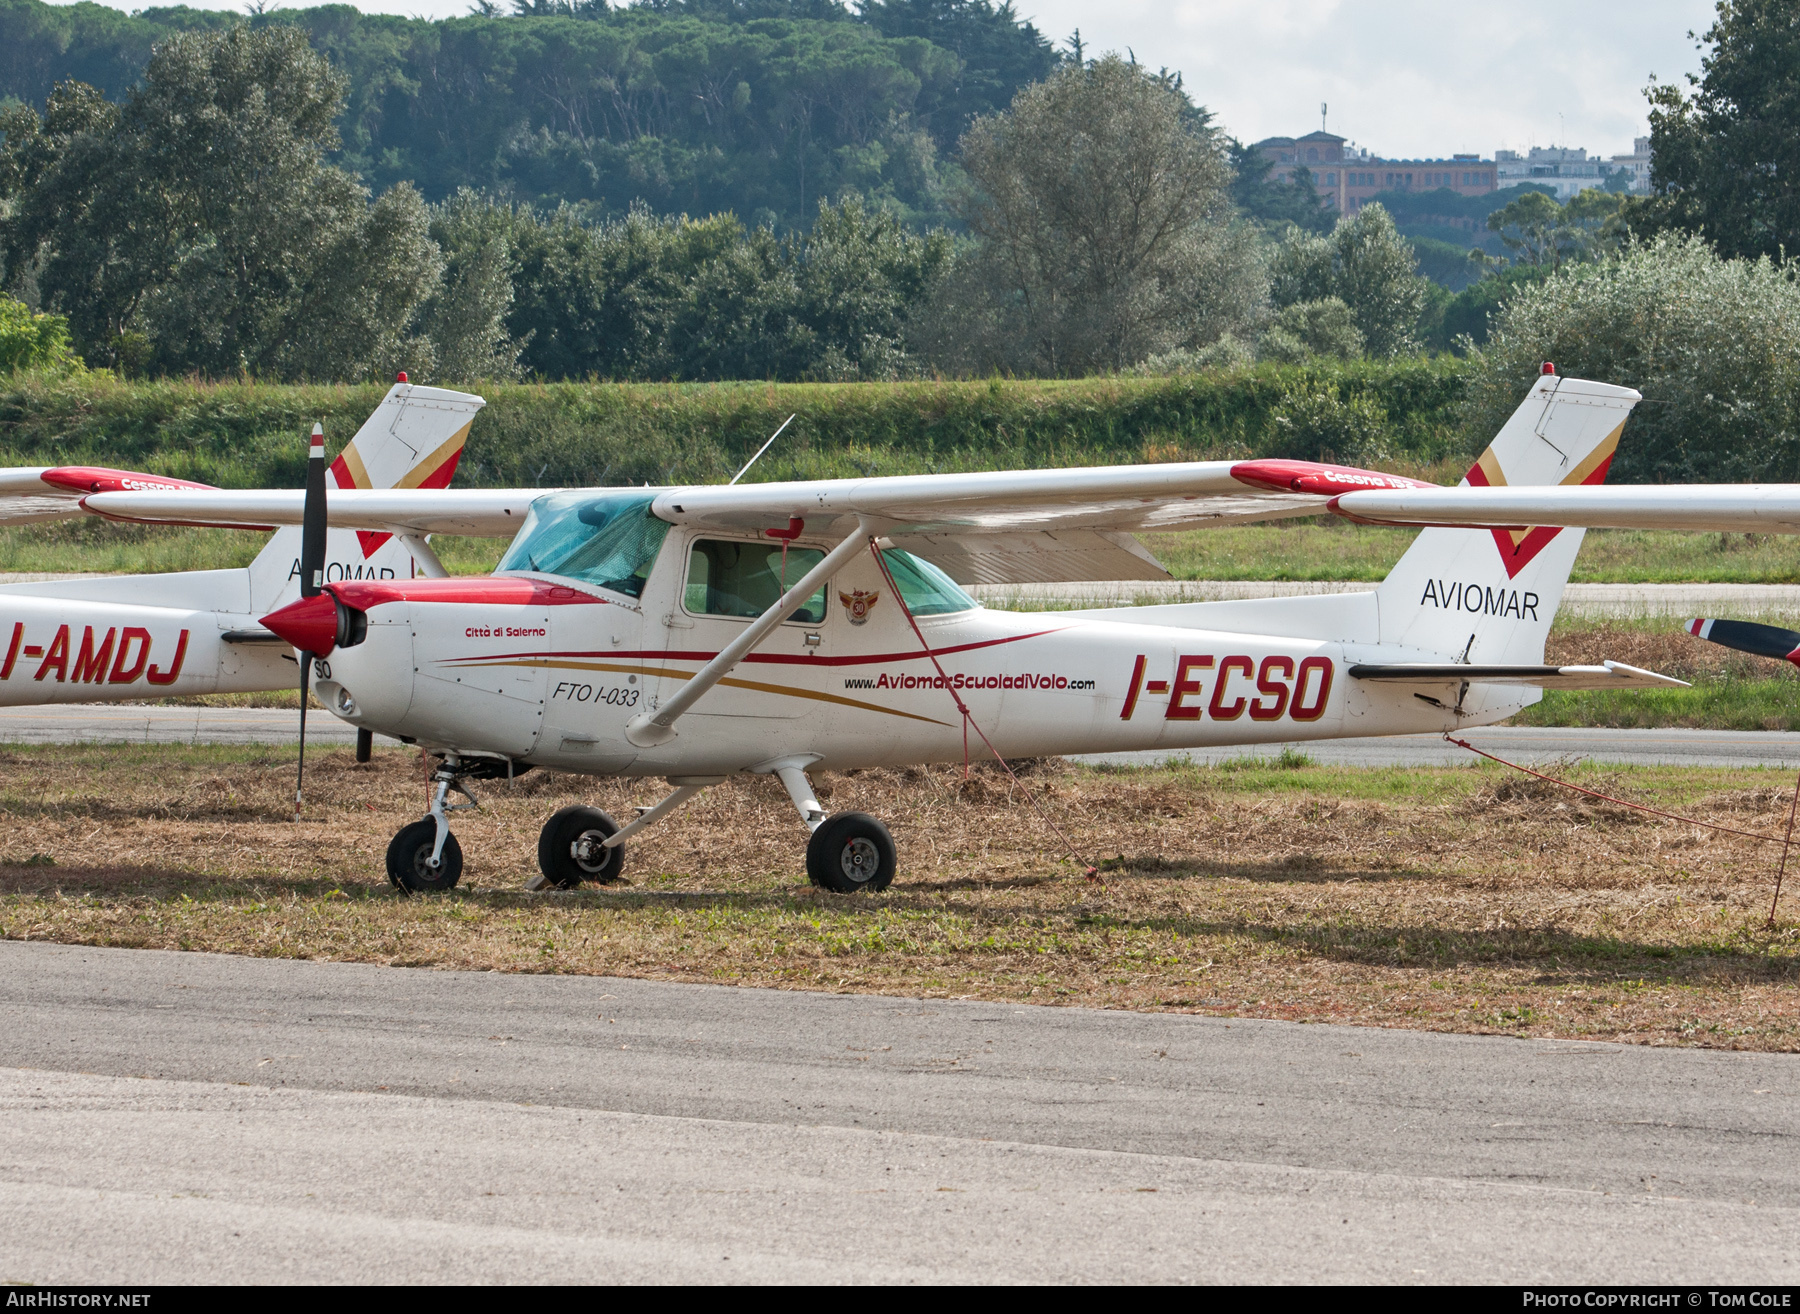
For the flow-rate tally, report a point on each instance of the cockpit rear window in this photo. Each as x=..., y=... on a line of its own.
x=606, y=539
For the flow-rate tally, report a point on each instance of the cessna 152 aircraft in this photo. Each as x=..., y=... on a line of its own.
x=692, y=633
x=117, y=638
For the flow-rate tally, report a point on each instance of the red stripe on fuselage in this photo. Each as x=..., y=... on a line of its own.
x=777, y=659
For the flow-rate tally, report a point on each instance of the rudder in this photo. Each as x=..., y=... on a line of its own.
x=413, y=439
x=1490, y=595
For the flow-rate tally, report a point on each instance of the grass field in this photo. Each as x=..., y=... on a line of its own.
x=1452, y=899
x=1331, y=549
x=1326, y=549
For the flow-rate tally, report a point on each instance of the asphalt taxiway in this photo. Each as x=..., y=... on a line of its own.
x=194, y=1118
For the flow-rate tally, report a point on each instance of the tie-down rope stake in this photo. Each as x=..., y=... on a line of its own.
x=1786, y=841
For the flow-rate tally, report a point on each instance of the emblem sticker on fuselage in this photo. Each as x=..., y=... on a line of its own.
x=858, y=604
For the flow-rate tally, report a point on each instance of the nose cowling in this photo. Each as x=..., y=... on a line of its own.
x=311, y=624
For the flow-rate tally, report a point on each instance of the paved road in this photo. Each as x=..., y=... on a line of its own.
x=187, y=1117
x=79, y=723
x=156, y=723
x=1528, y=744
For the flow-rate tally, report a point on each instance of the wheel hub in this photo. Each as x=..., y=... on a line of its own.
x=589, y=851
x=859, y=859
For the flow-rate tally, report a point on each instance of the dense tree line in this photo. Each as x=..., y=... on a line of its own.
x=758, y=107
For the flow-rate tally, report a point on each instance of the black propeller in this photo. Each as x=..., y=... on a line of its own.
x=1748, y=636
x=312, y=578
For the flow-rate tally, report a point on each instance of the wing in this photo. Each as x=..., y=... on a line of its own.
x=479, y=511
x=1041, y=557
x=1722, y=508
x=1001, y=527
x=43, y=492
x=1118, y=498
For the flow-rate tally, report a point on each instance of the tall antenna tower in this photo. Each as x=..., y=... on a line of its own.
x=1322, y=108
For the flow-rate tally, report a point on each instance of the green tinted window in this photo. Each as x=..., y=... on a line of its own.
x=926, y=590
x=746, y=579
x=606, y=539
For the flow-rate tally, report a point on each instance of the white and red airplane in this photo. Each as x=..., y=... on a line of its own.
x=125, y=637
x=692, y=633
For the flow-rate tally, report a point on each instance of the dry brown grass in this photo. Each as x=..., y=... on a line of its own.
x=1657, y=646
x=1462, y=900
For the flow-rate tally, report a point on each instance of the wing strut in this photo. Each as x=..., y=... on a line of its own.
x=649, y=729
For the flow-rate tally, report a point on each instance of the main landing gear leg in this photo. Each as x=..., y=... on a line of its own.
x=585, y=844
x=849, y=852
x=425, y=855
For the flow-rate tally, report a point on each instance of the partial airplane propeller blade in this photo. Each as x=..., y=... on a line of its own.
x=312, y=580
x=1747, y=636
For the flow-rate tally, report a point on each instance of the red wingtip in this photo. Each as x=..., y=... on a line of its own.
x=99, y=479
x=309, y=624
x=1312, y=477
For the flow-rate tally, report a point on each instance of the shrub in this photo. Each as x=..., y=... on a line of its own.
x=1709, y=342
x=34, y=342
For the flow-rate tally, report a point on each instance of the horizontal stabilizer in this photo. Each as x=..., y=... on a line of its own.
x=1747, y=636
x=1610, y=675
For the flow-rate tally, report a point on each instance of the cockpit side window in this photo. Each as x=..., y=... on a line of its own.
x=606, y=539
x=727, y=578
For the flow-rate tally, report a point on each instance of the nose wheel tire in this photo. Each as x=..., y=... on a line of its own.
x=409, y=858
x=851, y=852
x=571, y=848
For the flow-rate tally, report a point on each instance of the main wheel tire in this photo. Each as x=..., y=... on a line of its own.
x=570, y=848
x=851, y=852
x=409, y=852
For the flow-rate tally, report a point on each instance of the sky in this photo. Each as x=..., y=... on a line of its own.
x=1405, y=78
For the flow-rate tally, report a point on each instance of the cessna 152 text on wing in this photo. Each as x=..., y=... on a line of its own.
x=692, y=633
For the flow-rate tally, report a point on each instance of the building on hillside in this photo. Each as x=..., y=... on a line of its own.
x=1637, y=164
x=1348, y=176
x=1568, y=169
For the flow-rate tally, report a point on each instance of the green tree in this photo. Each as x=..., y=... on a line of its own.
x=1100, y=198
x=1531, y=228
x=197, y=227
x=1708, y=341
x=1727, y=158
x=34, y=342
x=647, y=297
x=465, y=319
x=1541, y=233
x=1312, y=328
x=1272, y=204
x=1367, y=265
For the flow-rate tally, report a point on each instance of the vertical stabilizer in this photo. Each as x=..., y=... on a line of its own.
x=1489, y=595
x=413, y=439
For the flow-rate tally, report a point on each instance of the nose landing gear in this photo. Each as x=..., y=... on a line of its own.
x=425, y=857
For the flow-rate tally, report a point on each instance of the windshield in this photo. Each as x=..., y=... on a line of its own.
x=926, y=590
x=608, y=539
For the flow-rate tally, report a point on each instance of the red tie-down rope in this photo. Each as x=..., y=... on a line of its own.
x=1089, y=871
x=1786, y=841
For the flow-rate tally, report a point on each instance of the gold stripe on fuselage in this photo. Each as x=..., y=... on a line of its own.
x=619, y=668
